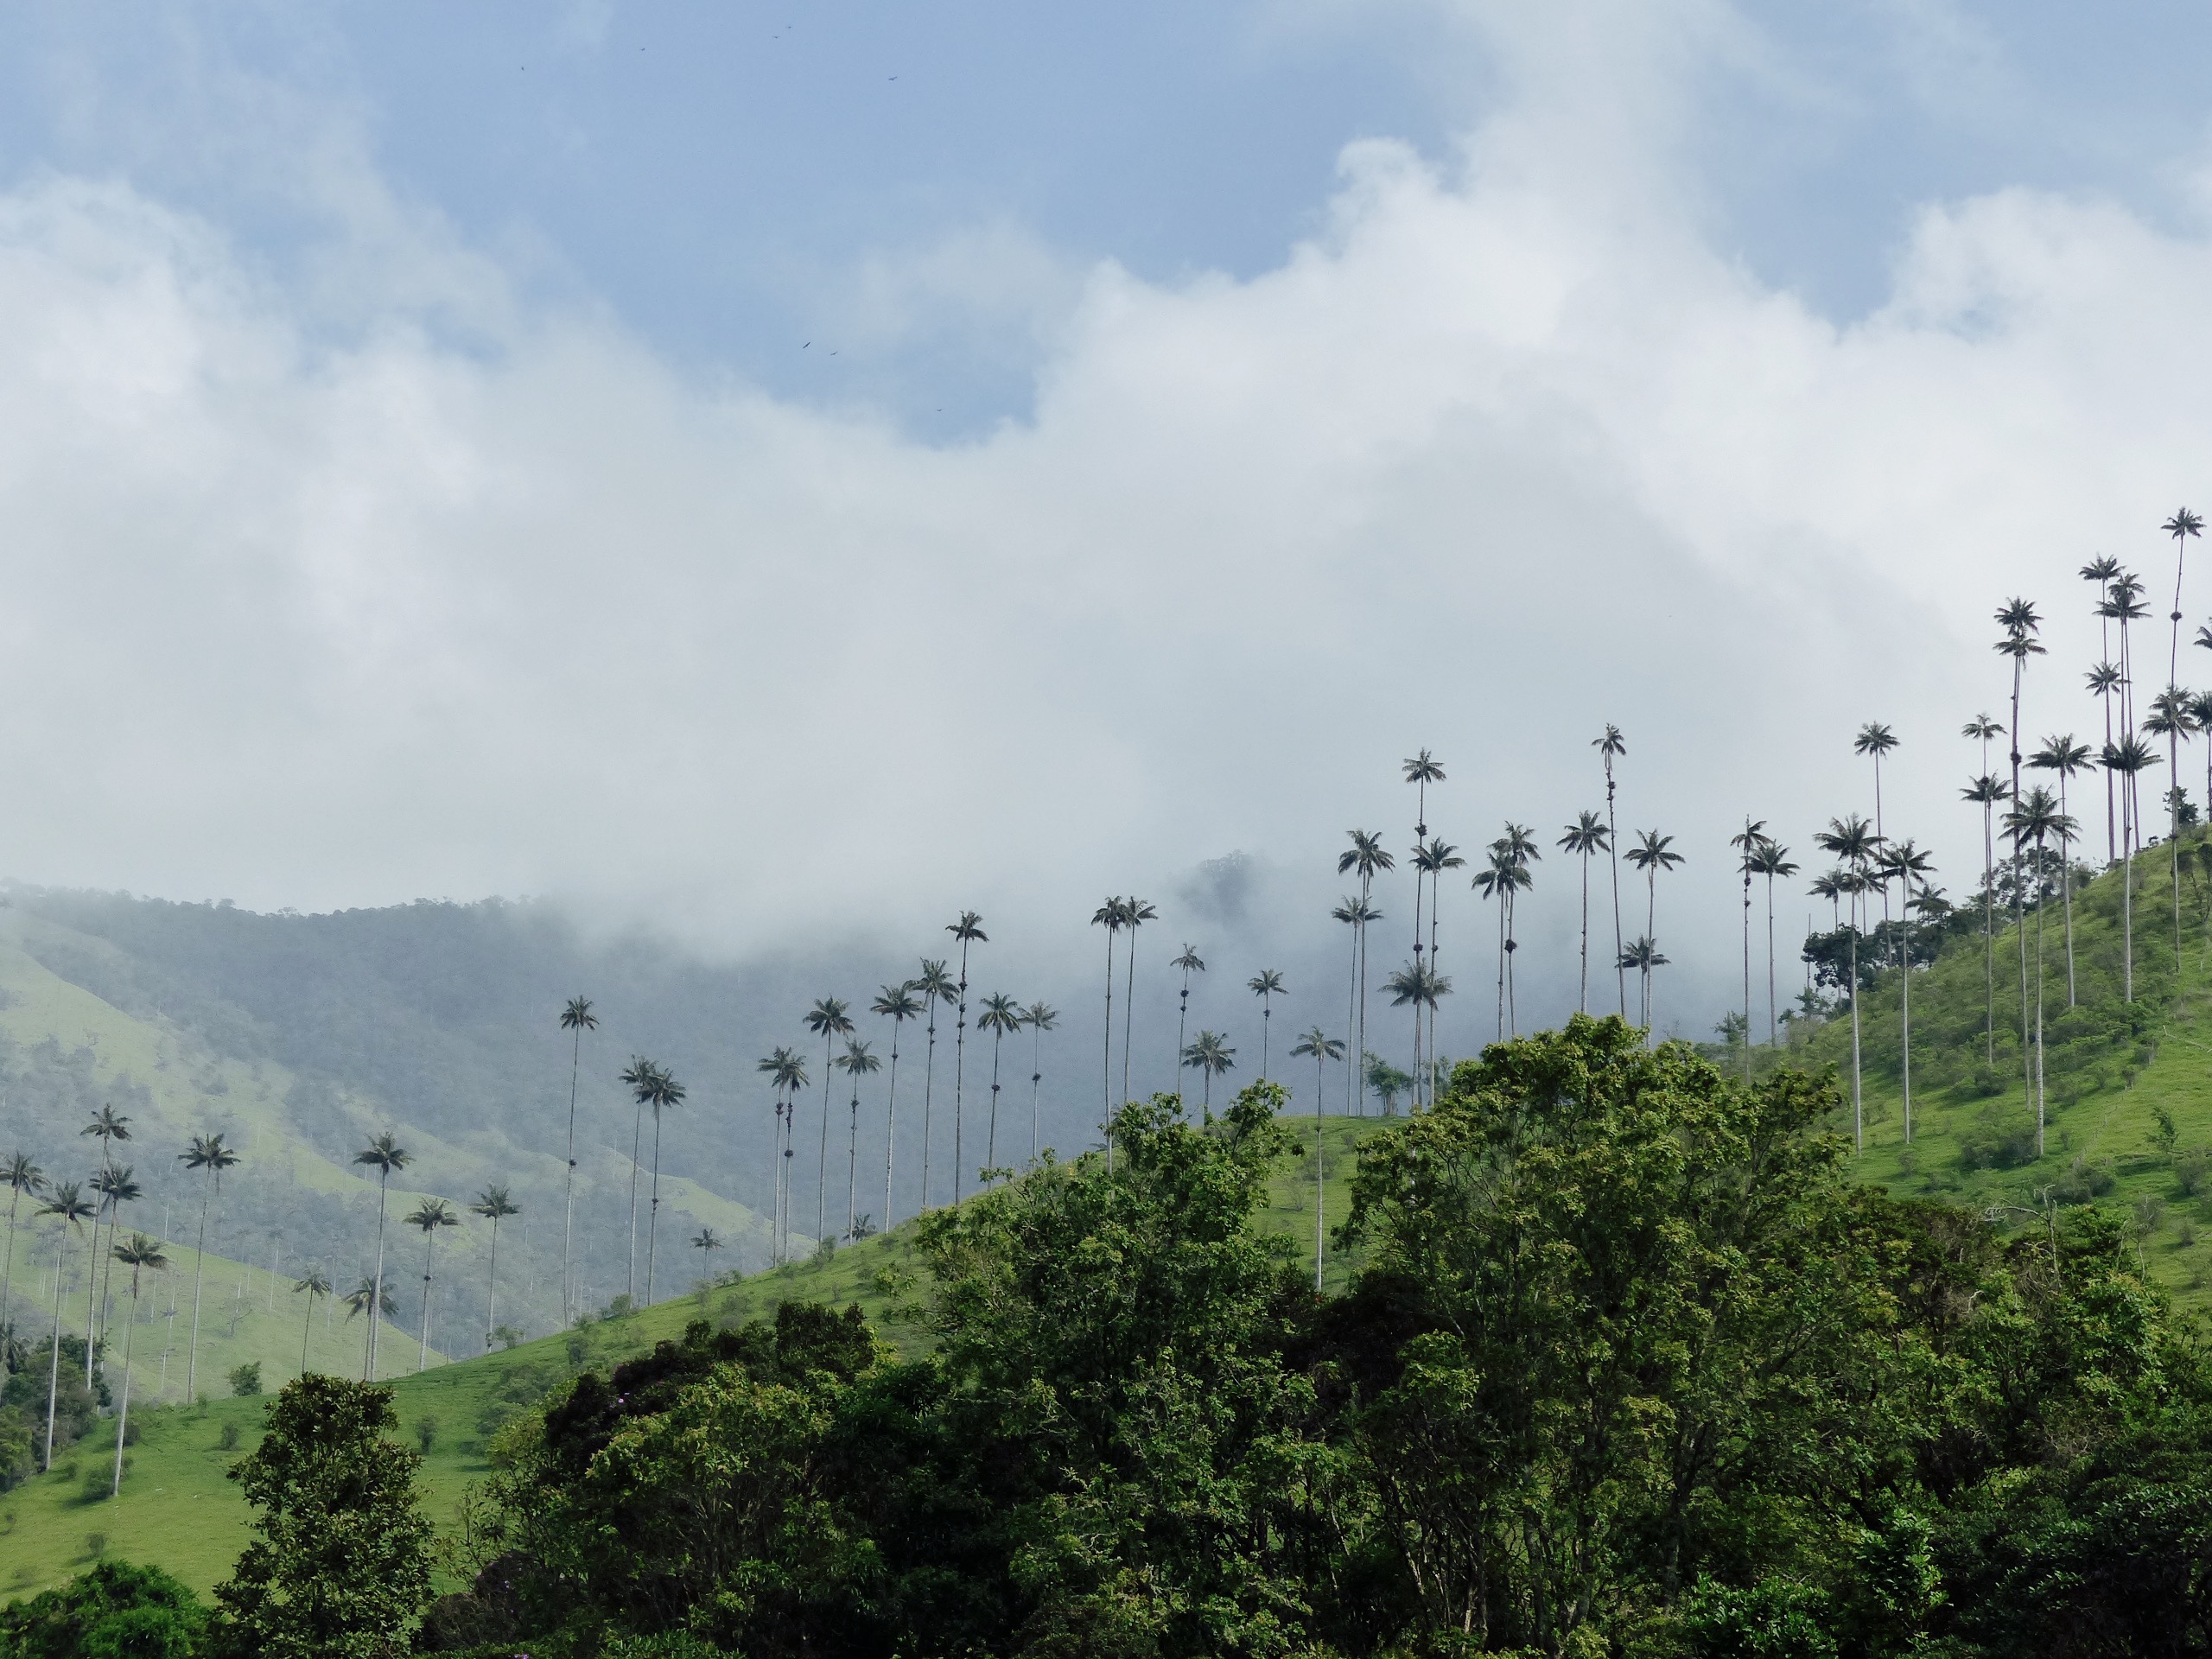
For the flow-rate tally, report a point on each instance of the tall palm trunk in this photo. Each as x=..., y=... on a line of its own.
x=1106, y=1072
x=8, y=1274
x=375, y=1298
x=2066, y=884
x=199, y=1278
x=853, y=1164
x=637, y=1144
x=307, y=1329
x=652, y=1215
x=491, y=1287
x=92, y=1296
x=1747, y=946
x=2127, y=889
x=1772, y=1012
x=1583, y=1003
x=2019, y=895
x=960, y=1064
x=1128, y=1013
x=1512, y=996
x=891, y=1125
x=1988, y=920
x=1857, y=1097
x=929, y=1088
x=569, y=1194
x=1613, y=849
x=53, y=1361
x=1319, y=1231
x=429, y=1244
x=1501, y=964
x=1352, y=1016
x=991, y=1138
x=821, y=1157
x=123, y=1413
x=2039, y=1071
x=1037, y=1080
x=1366, y=887
x=1904, y=994
x=1650, y=932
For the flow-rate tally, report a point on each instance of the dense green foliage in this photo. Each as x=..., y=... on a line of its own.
x=339, y=1564
x=114, y=1611
x=1632, y=1368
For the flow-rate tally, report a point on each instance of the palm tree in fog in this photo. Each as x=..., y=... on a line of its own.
x=896, y=1003
x=935, y=984
x=575, y=1019
x=1001, y=1016
x=493, y=1204
x=316, y=1284
x=1321, y=1048
x=856, y=1062
x=1267, y=985
x=1039, y=1017
x=827, y=1020
x=430, y=1215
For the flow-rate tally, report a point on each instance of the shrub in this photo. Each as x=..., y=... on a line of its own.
x=426, y=1433
x=116, y=1609
x=2081, y=1182
x=228, y=1441
x=2192, y=1168
x=246, y=1380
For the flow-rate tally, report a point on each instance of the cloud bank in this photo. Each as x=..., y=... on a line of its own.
x=422, y=590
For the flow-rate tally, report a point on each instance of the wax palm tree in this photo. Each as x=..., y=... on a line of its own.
x=1001, y=1016
x=1652, y=853
x=707, y=1243
x=1210, y=1055
x=2104, y=685
x=785, y=1073
x=1267, y=985
x=968, y=929
x=1135, y=912
x=1109, y=917
x=1905, y=863
x=1586, y=836
x=494, y=1205
x=387, y=1157
x=898, y=1004
x=2129, y=757
x=2182, y=525
x=1191, y=963
x=2036, y=819
x=1355, y=913
x=1853, y=839
x=632, y=1077
x=1610, y=745
x=430, y=1215
x=1421, y=771
x=2062, y=755
x=116, y=1188
x=1747, y=846
x=1642, y=955
x=1367, y=860
x=22, y=1176
x=1517, y=844
x=1499, y=879
x=316, y=1283
x=1039, y=1017
x=1773, y=861
x=1875, y=739
x=575, y=1019
x=856, y=1062
x=1320, y=1048
x=788, y=1070
x=65, y=1205
x=371, y=1297
x=1418, y=984
x=660, y=1090
x=1986, y=791
x=1430, y=858
x=108, y=1127
x=141, y=1255
x=2169, y=718
x=2124, y=604
x=829, y=1020
x=935, y=984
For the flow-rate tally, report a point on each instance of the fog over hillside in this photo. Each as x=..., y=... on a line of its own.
x=301, y=1036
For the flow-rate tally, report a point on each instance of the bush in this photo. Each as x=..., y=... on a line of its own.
x=1992, y=1143
x=114, y=1611
x=2192, y=1168
x=426, y=1433
x=246, y=1380
x=228, y=1441
x=2081, y=1182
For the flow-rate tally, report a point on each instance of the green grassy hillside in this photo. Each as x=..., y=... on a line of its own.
x=178, y=1511
x=2110, y=1068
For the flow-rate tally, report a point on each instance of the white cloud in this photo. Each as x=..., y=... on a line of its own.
x=1506, y=451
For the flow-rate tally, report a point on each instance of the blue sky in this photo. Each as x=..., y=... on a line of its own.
x=726, y=178
x=999, y=454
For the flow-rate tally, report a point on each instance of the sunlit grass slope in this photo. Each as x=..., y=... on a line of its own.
x=2110, y=1068
x=178, y=1511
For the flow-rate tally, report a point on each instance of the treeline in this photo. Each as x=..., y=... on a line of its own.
x=1630, y=1368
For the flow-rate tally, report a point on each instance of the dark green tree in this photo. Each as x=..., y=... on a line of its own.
x=339, y=1565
